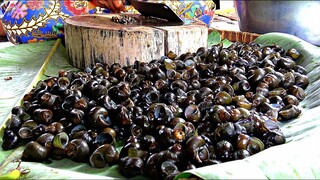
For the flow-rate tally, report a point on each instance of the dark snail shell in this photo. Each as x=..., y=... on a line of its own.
x=124, y=91
x=223, y=98
x=290, y=99
x=242, y=101
x=300, y=69
x=270, y=110
x=224, y=150
x=301, y=80
x=29, y=96
x=195, y=84
x=39, y=129
x=162, y=85
x=136, y=130
x=166, y=136
x=68, y=102
x=119, y=73
x=26, y=129
x=288, y=80
x=168, y=169
x=228, y=131
x=189, y=100
x=43, y=116
x=155, y=74
x=241, y=86
x=148, y=143
x=131, y=166
x=275, y=99
x=235, y=115
x=10, y=140
x=122, y=116
x=76, y=116
x=77, y=150
x=77, y=84
x=48, y=99
x=298, y=92
x=126, y=148
x=272, y=80
x=258, y=99
x=219, y=114
x=286, y=63
x=98, y=118
x=133, y=79
x=152, y=165
x=263, y=89
x=225, y=87
x=17, y=110
x=279, y=91
x=46, y=140
x=179, y=84
x=160, y=112
x=35, y=152
x=99, y=91
x=293, y=53
x=152, y=97
x=77, y=128
x=273, y=138
x=241, y=154
x=104, y=137
x=268, y=65
x=89, y=136
x=173, y=75
x=107, y=102
x=63, y=83
x=256, y=75
x=252, y=144
x=183, y=130
x=289, y=112
x=54, y=128
x=40, y=86
x=104, y=155
x=81, y=104
x=197, y=150
x=60, y=140
x=14, y=123
x=192, y=113
x=204, y=92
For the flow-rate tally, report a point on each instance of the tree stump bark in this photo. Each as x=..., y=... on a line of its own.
x=94, y=39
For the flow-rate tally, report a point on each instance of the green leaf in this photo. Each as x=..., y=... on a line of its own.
x=214, y=38
x=297, y=159
x=226, y=43
x=22, y=63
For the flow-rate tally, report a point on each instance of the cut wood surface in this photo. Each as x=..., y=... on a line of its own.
x=96, y=38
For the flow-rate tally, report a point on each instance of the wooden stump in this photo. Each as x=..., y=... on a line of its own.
x=97, y=38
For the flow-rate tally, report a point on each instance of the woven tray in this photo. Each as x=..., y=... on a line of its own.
x=236, y=36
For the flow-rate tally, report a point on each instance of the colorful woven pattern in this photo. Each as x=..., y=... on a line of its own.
x=27, y=21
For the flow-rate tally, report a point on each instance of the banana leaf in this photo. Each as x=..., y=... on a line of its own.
x=299, y=158
x=21, y=63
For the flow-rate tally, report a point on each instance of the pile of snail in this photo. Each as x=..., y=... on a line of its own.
x=171, y=114
x=124, y=19
x=138, y=20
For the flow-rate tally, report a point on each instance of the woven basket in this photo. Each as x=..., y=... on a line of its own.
x=236, y=36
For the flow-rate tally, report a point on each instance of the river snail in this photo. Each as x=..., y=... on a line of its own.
x=171, y=114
